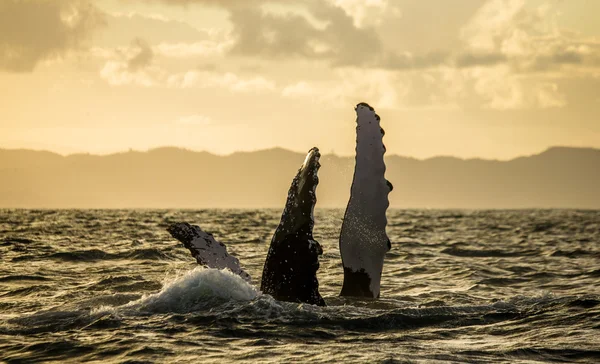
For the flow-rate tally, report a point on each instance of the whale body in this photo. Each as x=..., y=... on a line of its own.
x=290, y=270
x=363, y=239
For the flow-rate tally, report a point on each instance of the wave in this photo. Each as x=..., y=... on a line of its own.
x=111, y=280
x=480, y=253
x=22, y=277
x=94, y=255
x=14, y=241
x=502, y=282
x=575, y=253
x=26, y=291
x=209, y=296
x=534, y=353
x=198, y=289
x=82, y=255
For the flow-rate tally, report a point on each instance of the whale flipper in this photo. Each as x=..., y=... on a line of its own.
x=363, y=239
x=290, y=270
x=207, y=251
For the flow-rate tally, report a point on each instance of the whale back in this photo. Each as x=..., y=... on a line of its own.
x=292, y=262
x=363, y=238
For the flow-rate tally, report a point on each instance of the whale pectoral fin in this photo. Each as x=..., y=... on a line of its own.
x=290, y=271
x=363, y=239
x=207, y=251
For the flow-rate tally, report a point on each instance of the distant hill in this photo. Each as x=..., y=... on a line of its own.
x=560, y=177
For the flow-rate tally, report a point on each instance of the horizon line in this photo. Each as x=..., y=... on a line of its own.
x=332, y=153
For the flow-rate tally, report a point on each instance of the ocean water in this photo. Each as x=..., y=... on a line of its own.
x=458, y=286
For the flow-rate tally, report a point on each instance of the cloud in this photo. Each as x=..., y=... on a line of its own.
x=140, y=49
x=143, y=56
x=131, y=65
x=494, y=23
x=528, y=40
x=444, y=88
x=134, y=66
x=154, y=28
x=294, y=34
x=479, y=59
x=410, y=61
x=32, y=31
x=342, y=32
x=349, y=87
x=365, y=12
x=493, y=87
x=508, y=56
x=229, y=4
x=502, y=54
x=549, y=96
x=198, y=49
x=522, y=36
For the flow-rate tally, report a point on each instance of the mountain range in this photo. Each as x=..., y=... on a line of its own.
x=560, y=177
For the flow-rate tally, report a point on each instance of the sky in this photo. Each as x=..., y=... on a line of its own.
x=490, y=79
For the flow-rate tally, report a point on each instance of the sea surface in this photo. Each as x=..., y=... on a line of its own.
x=112, y=286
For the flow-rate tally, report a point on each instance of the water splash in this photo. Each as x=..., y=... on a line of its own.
x=198, y=289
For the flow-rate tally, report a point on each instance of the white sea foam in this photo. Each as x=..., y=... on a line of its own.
x=194, y=290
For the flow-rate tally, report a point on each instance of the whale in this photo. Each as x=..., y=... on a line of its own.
x=290, y=268
x=291, y=265
x=363, y=239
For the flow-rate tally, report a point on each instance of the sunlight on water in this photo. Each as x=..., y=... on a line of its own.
x=457, y=286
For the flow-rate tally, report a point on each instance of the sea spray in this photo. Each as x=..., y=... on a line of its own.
x=197, y=289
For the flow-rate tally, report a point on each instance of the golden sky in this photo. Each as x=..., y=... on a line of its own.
x=468, y=78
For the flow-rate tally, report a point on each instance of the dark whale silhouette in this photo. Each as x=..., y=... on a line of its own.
x=290, y=269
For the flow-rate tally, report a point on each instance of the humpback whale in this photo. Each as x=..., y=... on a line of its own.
x=290, y=270
x=363, y=239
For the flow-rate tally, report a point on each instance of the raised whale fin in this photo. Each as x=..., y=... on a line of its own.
x=290, y=271
x=363, y=239
x=207, y=251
